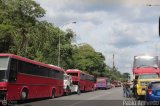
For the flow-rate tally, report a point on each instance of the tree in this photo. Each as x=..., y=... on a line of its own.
x=18, y=19
x=86, y=58
x=22, y=33
x=126, y=76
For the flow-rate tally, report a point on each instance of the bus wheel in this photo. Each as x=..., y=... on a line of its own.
x=53, y=94
x=24, y=94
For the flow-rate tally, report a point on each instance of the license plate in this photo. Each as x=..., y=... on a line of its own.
x=158, y=93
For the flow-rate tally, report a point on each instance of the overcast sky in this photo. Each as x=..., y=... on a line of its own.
x=123, y=27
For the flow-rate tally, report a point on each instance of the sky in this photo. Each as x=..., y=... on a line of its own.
x=125, y=28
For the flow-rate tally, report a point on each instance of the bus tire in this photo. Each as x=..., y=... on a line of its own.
x=24, y=94
x=53, y=94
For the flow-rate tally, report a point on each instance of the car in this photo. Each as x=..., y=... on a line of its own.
x=153, y=91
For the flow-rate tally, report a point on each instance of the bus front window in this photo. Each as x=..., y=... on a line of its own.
x=73, y=74
x=148, y=76
x=3, y=67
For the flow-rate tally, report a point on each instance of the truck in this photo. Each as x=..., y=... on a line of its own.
x=69, y=87
x=145, y=70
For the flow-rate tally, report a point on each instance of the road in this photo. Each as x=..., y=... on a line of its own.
x=110, y=97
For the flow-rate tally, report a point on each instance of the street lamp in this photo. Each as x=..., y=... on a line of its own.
x=159, y=16
x=59, y=43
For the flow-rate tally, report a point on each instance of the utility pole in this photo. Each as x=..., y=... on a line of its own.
x=159, y=16
x=158, y=23
x=159, y=26
x=113, y=62
x=59, y=44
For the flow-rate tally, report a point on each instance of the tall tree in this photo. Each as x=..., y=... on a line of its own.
x=22, y=33
x=86, y=58
x=18, y=18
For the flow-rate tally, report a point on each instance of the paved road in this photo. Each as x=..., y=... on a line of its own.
x=110, y=97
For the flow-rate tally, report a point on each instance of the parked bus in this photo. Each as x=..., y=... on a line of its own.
x=103, y=83
x=84, y=81
x=22, y=78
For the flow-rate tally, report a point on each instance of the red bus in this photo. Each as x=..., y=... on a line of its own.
x=85, y=81
x=22, y=78
x=103, y=83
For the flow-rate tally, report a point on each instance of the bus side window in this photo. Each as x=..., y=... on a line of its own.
x=13, y=71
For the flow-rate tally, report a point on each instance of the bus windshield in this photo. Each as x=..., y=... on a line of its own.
x=148, y=76
x=4, y=63
x=73, y=74
x=3, y=67
x=101, y=80
x=146, y=61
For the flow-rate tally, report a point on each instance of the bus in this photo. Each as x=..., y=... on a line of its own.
x=85, y=82
x=103, y=83
x=22, y=79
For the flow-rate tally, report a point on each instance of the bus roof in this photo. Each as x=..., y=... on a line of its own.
x=30, y=61
x=76, y=70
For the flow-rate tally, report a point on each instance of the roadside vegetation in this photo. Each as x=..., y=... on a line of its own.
x=23, y=32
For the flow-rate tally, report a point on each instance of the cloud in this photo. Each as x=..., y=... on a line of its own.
x=121, y=27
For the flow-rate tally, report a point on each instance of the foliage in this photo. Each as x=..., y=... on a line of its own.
x=18, y=20
x=87, y=59
x=126, y=76
x=23, y=33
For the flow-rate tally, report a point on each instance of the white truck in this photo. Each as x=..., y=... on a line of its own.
x=69, y=87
